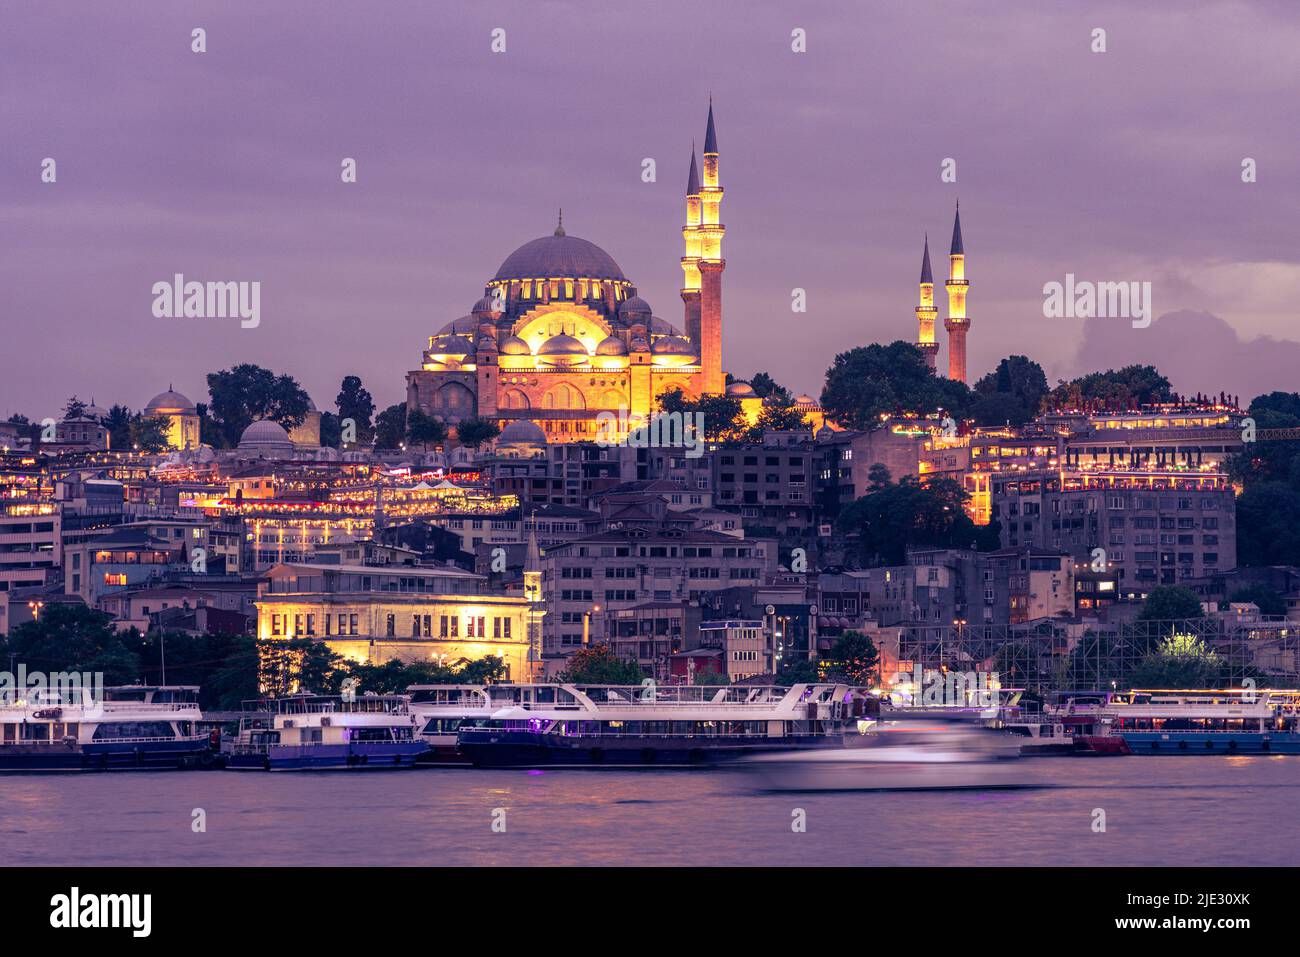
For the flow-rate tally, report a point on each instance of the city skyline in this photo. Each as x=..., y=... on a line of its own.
x=464, y=155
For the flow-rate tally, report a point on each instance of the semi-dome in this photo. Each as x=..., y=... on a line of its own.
x=636, y=306
x=522, y=432
x=559, y=257
x=170, y=403
x=611, y=346
x=673, y=346
x=452, y=346
x=486, y=304
x=741, y=390
x=266, y=438
x=514, y=346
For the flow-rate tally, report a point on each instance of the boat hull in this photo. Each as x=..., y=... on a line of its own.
x=508, y=749
x=1196, y=742
x=108, y=756
x=321, y=757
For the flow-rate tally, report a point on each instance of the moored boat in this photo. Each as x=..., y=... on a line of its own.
x=1231, y=721
x=132, y=727
x=319, y=732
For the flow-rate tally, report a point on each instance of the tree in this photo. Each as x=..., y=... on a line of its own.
x=1112, y=389
x=293, y=665
x=210, y=433
x=246, y=392
x=331, y=432
x=118, y=423
x=597, y=665
x=355, y=402
x=1014, y=392
x=148, y=433
x=766, y=387
x=1180, y=661
x=474, y=432
x=869, y=382
x=853, y=657
x=390, y=427
x=424, y=429
x=778, y=415
x=73, y=637
x=889, y=520
x=797, y=671
x=723, y=416
x=1170, y=602
x=75, y=409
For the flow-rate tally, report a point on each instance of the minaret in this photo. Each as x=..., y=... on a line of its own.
x=926, y=313
x=691, y=261
x=956, y=323
x=711, y=265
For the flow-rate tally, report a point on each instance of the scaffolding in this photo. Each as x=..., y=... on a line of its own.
x=1053, y=654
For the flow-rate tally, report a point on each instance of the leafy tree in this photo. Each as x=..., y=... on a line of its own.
x=246, y=392
x=355, y=402
x=797, y=671
x=73, y=637
x=474, y=432
x=723, y=416
x=148, y=433
x=597, y=665
x=878, y=477
x=889, y=520
x=1180, y=661
x=210, y=433
x=1122, y=389
x=75, y=409
x=390, y=427
x=710, y=679
x=869, y=382
x=486, y=670
x=331, y=433
x=288, y=666
x=1168, y=602
x=424, y=429
x=1014, y=392
x=118, y=423
x=766, y=387
x=853, y=657
x=778, y=415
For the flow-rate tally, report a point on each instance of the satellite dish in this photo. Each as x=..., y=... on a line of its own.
x=770, y=610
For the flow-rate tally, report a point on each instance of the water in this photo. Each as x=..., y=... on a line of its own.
x=1159, y=811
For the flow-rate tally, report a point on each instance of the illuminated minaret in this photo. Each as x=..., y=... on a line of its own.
x=711, y=265
x=926, y=313
x=956, y=323
x=691, y=261
x=536, y=608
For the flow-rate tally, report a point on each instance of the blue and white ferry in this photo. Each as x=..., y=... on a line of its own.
x=1230, y=721
x=133, y=727
x=317, y=732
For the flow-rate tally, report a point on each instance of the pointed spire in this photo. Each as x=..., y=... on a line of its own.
x=710, y=134
x=559, y=229
x=533, y=557
x=925, y=262
x=956, y=234
x=693, y=179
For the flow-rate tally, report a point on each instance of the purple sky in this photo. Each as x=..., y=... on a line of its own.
x=225, y=166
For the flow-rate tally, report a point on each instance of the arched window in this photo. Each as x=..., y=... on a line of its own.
x=455, y=400
x=563, y=396
x=513, y=399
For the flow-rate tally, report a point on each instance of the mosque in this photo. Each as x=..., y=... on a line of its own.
x=560, y=334
x=956, y=323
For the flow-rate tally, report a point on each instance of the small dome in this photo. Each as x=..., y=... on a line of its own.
x=266, y=438
x=634, y=306
x=672, y=346
x=741, y=390
x=805, y=402
x=639, y=344
x=486, y=343
x=562, y=345
x=463, y=326
x=170, y=403
x=514, y=346
x=486, y=304
x=522, y=432
x=612, y=346
x=452, y=346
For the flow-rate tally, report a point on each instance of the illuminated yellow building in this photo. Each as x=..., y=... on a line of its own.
x=561, y=335
x=181, y=416
x=377, y=613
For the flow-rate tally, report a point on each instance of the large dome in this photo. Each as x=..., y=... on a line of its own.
x=170, y=403
x=559, y=257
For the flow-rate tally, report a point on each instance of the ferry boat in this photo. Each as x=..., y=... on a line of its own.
x=134, y=726
x=907, y=755
x=567, y=725
x=316, y=732
x=1232, y=721
x=441, y=710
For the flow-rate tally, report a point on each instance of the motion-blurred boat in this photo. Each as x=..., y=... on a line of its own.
x=904, y=755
